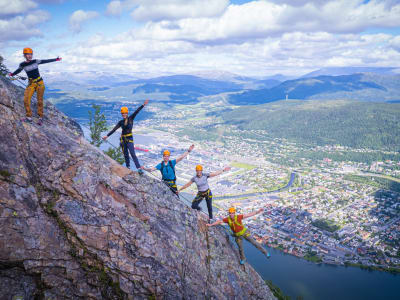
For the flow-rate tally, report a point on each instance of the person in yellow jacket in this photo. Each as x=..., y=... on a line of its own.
x=240, y=231
x=36, y=84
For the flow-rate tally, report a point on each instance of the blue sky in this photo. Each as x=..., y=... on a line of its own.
x=160, y=37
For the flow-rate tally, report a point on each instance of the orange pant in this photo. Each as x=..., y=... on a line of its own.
x=29, y=91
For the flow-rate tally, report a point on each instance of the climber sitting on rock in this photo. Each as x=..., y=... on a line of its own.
x=167, y=168
x=126, y=140
x=240, y=231
x=201, y=180
x=31, y=67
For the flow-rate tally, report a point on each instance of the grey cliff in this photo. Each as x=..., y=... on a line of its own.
x=74, y=224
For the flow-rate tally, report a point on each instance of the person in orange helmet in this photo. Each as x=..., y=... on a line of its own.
x=167, y=168
x=36, y=84
x=126, y=140
x=204, y=192
x=240, y=231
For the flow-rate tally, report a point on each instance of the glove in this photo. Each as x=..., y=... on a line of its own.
x=10, y=74
x=58, y=58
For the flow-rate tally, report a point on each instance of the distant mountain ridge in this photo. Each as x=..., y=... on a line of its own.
x=242, y=90
x=365, y=87
x=337, y=71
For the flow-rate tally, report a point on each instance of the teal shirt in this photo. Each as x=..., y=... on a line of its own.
x=167, y=172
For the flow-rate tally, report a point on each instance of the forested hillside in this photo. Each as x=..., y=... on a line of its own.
x=353, y=124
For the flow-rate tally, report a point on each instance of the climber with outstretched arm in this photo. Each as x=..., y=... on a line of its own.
x=36, y=84
x=167, y=168
x=201, y=180
x=240, y=231
x=126, y=140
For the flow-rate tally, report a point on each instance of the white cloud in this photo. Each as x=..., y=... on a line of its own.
x=395, y=43
x=50, y=1
x=80, y=16
x=23, y=26
x=257, y=38
x=179, y=9
x=15, y=7
x=114, y=8
x=261, y=19
x=292, y=53
x=157, y=10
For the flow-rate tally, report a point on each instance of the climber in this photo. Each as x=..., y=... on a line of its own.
x=126, y=140
x=167, y=168
x=240, y=231
x=31, y=67
x=201, y=180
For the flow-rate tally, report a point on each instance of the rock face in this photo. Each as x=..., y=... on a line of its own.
x=74, y=224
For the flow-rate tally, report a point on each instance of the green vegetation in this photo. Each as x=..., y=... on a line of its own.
x=340, y=156
x=348, y=123
x=3, y=69
x=242, y=165
x=116, y=154
x=313, y=257
x=379, y=182
x=5, y=173
x=97, y=125
x=276, y=291
x=327, y=225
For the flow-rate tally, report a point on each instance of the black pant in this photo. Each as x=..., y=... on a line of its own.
x=199, y=197
x=128, y=145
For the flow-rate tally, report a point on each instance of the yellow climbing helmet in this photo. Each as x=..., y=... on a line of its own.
x=124, y=110
x=27, y=51
x=166, y=153
x=199, y=168
x=232, y=210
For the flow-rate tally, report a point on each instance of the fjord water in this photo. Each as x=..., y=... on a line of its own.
x=298, y=277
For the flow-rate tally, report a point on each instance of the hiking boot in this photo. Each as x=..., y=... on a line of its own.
x=242, y=261
x=140, y=171
x=268, y=255
x=27, y=119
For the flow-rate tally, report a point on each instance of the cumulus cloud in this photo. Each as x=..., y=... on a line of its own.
x=80, y=16
x=114, y=8
x=50, y=1
x=179, y=9
x=15, y=7
x=292, y=53
x=261, y=19
x=23, y=26
x=300, y=2
x=157, y=10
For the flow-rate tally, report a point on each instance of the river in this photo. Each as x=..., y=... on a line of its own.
x=298, y=277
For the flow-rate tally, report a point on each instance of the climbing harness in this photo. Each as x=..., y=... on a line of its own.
x=234, y=223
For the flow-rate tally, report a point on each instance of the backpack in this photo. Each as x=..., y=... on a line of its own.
x=162, y=168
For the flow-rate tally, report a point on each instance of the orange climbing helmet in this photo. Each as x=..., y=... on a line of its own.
x=199, y=168
x=232, y=210
x=27, y=51
x=166, y=153
x=124, y=110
